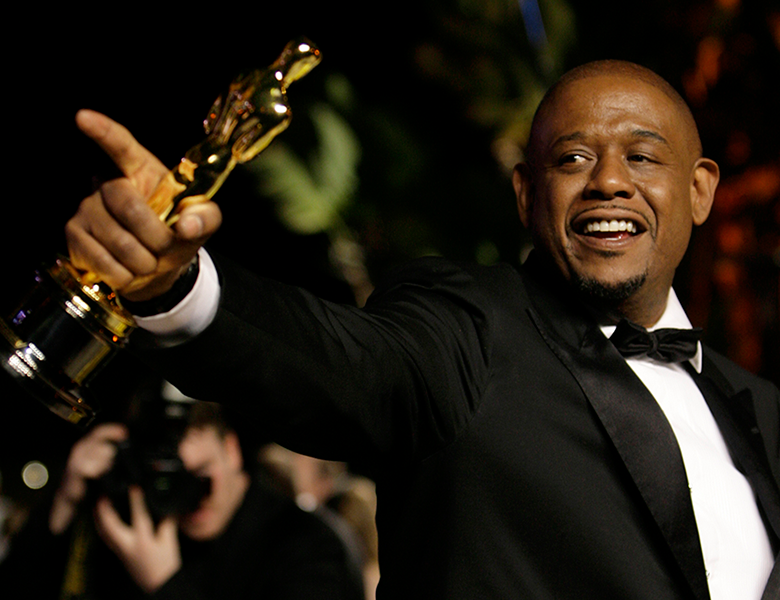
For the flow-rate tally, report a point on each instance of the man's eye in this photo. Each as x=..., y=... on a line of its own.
x=640, y=158
x=571, y=159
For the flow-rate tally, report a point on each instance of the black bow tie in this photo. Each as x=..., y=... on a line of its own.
x=666, y=345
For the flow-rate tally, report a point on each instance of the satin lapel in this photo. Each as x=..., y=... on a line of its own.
x=735, y=418
x=772, y=590
x=733, y=412
x=639, y=431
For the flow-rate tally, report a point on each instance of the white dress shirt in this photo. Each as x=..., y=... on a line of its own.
x=737, y=553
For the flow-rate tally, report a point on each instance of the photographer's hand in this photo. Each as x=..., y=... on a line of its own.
x=150, y=555
x=90, y=458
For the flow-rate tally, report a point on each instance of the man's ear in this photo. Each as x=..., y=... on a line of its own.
x=706, y=175
x=521, y=181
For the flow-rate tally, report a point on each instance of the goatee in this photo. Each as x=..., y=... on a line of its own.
x=609, y=294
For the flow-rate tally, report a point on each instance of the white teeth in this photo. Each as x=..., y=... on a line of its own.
x=613, y=225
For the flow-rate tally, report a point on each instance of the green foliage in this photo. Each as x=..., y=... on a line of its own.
x=312, y=194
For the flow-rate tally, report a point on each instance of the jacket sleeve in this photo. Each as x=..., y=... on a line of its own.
x=399, y=378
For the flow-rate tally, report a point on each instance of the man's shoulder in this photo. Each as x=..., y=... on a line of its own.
x=739, y=377
x=441, y=274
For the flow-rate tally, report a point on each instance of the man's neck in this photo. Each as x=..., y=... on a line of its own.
x=642, y=315
x=644, y=308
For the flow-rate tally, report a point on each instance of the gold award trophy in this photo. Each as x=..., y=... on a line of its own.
x=70, y=323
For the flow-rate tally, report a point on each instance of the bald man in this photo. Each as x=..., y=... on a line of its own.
x=529, y=438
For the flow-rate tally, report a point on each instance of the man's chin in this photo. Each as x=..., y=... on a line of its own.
x=197, y=525
x=609, y=294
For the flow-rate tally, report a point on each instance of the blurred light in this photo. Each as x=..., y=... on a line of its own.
x=20, y=366
x=534, y=26
x=35, y=351
x=307, y=501
x=35, y=475
x=73, y=309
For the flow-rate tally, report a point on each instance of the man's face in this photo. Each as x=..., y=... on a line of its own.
x=614, y=189
x=206, y=454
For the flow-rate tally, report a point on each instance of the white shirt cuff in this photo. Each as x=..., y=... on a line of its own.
x=195, y=312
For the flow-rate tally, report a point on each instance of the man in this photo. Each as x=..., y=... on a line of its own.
x=245, y=539
x=517, y=453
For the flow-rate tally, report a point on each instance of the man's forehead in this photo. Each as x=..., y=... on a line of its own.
x=630, y=131
x=612, y=92
x=618, y=92
x=616, y=69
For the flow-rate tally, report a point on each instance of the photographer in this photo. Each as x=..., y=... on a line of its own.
x=245, y=539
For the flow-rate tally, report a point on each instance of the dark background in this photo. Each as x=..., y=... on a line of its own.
x=440, y=97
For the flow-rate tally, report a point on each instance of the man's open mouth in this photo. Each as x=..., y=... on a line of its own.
x=608, y=228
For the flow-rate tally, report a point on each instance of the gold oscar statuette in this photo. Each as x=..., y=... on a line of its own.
x=69, y=324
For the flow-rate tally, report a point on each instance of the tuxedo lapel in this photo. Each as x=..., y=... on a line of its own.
x=735, y=418
x=772, y=590
x=636, y=426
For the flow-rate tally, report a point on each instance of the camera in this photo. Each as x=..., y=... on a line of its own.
x=149, y=458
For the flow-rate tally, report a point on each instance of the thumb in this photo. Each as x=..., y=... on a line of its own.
x=198, y=222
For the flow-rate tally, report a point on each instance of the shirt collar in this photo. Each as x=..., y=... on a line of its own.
x=674, y=316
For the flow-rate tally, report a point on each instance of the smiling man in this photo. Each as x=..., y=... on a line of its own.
x=529, y=438
x=614, y=183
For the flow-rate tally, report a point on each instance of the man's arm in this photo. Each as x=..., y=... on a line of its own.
x=400, y=378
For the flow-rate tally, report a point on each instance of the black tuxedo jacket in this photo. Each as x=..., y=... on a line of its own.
x=516, y=454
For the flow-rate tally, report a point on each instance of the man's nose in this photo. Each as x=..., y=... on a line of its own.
x=610, y=178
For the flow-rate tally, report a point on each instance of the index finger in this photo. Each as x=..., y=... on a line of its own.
x=120, y=145
x=139, y=512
